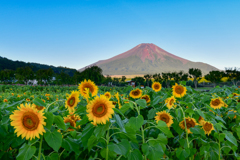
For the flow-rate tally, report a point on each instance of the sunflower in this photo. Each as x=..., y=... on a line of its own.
x=5, y=100
x=18, y=96
x=100, y=110
x=38, y=107
x=12, y=94
x=47, y=95
x=90, y=85
x=72, y=101
x=235, y=94
x=114, y=103
x=108, y=95
x=170, y=102
x=137, y=93
x=28, y=121
x=146, y=97
x=28, y=99
x=164, y=116
x=119, y=104
x=201, y=120
x=72, y=123
x=74, y=117
x=217, y=103
x=207, y=127
x=179, y=90
x=43, y=100
x=190, y=122
x=156, y=86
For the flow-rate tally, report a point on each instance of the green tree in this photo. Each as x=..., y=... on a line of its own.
x=123, y=78
x=147, y=78
x=7, y=75
x=138, y=80
x=157, y=77
x=196, y=74
x=215, y=76
x=44, y=76
x=167, y=77
x=24, y=74
x=233, y=75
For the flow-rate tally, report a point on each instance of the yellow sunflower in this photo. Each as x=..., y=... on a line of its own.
x=28, y=121
x=137, y=93
x=179, y=90
x=119, y=104
x=207, y=127
x=72, y=101
x=170, y=102
x=43, y=100
x=108, y=95
x=235, y=94
x=156, y=86
x=114, y=103
x=47, y=95
x=90, y=85
x=28, y=99
x=164, y=116
x=217, y=103
x=5, y=100
x=100, y=110
x=190, y=122
x=233, y=112
x=12, y=94
x=147, y=98
x=74, y=117
x=72, y=123
x=38, y=107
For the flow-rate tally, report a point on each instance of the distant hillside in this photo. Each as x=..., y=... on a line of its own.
x=147, y=58
x=13, y=65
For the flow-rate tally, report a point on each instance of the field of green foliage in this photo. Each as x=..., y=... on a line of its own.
x=123, y=123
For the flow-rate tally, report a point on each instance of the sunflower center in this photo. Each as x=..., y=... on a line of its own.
x=189, y=124
x=70, y=121
x=39, y=107
x=207, y=126
x=216, y=102
x=30, y=121
x=156, y=86
x=179, y=89
x=164, y=118
x=136, y=93
x=99, y=110
x=107, y=95
x=114, y=103
x=71, y=101
x=171, y=101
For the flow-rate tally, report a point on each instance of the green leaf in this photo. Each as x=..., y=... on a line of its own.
x=155, y=152
x=136, y=122
x=100, y=130
x=26, y=152
x=141, y=102
x=135, y=155
x=230, y=137
x=82, y=121
x=53, y=139
x=121, y=148
x=92, y=141
x=54, y=110
x=111, y=154
x=119, y=122
x=60, y=123
x=39, y=102
x=86, y=134
x=71, y=145
x=125, y=107
x=49, y=120
x=151, y=113
x=238, y=132
x=163, y=127
x=53, y=156
x=201, y=113
x=162, y=138
x=198, y=130
x=156, y=100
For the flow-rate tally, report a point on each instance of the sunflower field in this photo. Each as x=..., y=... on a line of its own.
x=119, y=123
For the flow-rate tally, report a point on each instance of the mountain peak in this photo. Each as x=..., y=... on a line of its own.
x=147, y=58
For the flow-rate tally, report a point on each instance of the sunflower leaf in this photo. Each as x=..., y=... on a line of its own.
x=136, y=122
x=135, y=155
x=49, y=120
x=53, y=139
x=141, y=102
x=156, y=100
x=59, y=121
x=163, y=127
x=39, y=102
x=26, y=152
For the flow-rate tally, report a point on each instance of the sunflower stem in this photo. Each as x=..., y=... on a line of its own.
x=219, y=145
x=107, y=137
x=185, y=129
x=40, y=147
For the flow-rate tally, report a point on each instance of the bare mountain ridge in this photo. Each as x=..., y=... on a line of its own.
x=147, y=58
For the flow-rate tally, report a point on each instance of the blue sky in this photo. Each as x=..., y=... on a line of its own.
x=77, y=33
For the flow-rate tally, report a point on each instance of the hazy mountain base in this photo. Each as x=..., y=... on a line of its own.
x=133, y=65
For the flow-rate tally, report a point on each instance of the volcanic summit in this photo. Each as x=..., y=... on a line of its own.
x=147, y=58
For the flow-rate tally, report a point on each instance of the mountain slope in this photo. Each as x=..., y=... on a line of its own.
x=147, y=58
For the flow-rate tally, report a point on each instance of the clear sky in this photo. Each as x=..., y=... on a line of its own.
x=76, y=33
